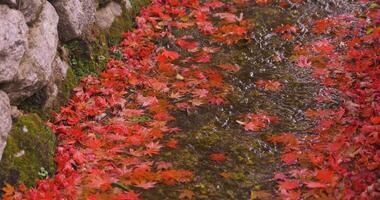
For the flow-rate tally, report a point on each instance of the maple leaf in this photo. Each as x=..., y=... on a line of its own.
x=146, y=185
x=172, y=143
x=214, y=4
x=303, y=62
x=279, y=176
x=263, y=2
x=79, y=157
x=170, y=177
x=152, y=148
x=190, y=46
x=229, y=67
x=228, y=17
x=289, y=158
x=217, y=157
x=167, y=68
x=315, y=185
x=163, y=165
x=269, y=85
x=289, y=184
x=8, y=190
x=323, y=46
x=133, y=112
x=202, y=57
x=210, y=49
x=166, y=55
x=201, y=93
x=325, y=175
x=233, y=29
x=158, y=86
x=287, y=138
x=322, y=26
x=146, y=101
x=176, y=95
x=257, y=122
x=287, y=28
x=216, y=100
x=163, y=116
x=253, y=126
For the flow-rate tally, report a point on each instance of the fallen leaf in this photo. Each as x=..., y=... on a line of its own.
x=218, y=157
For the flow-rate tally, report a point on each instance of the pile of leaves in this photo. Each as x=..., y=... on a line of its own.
x=340, y=158
x=115, y=124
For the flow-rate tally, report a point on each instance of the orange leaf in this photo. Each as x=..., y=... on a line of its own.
x=8, y=189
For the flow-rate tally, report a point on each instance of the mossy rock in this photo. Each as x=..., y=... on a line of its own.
x=30, y=147
x=89, y=57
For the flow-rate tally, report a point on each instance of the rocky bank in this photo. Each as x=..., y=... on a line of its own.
x=45, y=45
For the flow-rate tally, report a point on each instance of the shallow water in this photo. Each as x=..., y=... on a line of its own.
x=251, y=160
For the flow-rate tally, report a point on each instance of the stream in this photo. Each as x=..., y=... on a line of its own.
x=251, y=160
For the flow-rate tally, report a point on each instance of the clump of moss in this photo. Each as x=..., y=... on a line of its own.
x=30, y=148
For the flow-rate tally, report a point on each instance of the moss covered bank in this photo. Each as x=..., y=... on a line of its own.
x=29, y=154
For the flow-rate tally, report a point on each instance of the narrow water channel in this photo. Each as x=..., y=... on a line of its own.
x=250, y=160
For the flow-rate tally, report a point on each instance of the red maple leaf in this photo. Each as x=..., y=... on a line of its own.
x=263, y=2
x=166, y=55
x=228, y=17
x=172, y=143
x=289, y=158
x=191, y=46
x=289, y=184
x=315, y=185
x=229, y=67
x=217, y=157
x=270, y=85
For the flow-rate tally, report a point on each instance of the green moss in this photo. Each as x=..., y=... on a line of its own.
x=27, y=152
x=30, y=146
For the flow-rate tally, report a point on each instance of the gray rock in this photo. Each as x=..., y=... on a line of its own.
x=51, y=94
x=75, y=17
x=31, y=9
x=60, y=68
x=106, y=15
x=13, y=42
x=5, y=119
x=35, y=69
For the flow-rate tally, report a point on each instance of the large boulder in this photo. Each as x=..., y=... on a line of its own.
x=31, y=9
x=75, y=17
x=5, y=119
x=13, y=42
x=106, y=15
x=35, y=69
